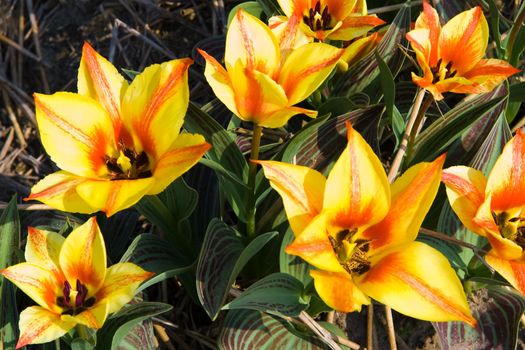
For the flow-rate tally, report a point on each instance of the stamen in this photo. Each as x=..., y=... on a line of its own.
x=66, y=291
x=318, y=17
x=128, y=165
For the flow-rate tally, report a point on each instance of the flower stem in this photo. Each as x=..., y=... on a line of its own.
x=418, y=123
x=390, y=327
x=254, y=155
x=370, y=328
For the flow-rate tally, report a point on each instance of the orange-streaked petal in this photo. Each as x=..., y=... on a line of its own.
x=38, y=282
x=466, y=193
x=512, y=270
x=280, y=117
x=359, y=49
x=504, y=248
x=93, y=317
x=75, y=131
x=506, y=182
x=187, y=150
x=43, y=248
x=250, y=42
x=38, y=325
x=288, y=33
x=83, y=256
x=306, y=68
x=419, y=282
x=301, y=189
x=100, y=80
x=290, y=6
x=429, y=19
x=312, y=245
x=357, y=191
x=58, y=190
x=122, y=280
x=420, y=41
x=155, y=103
x=338, y=291
x=412, y=197
x=464, y=39
x=486, y=75
x=355, y=26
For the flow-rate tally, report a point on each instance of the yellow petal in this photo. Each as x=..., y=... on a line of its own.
x=313, y=246
x=419, y=282
x=504, y=248
x=252, y=44
x=355, y=26
x=93, y=318
x=512, y=270
x=288, y=33
x=306, y=68
x=187, y=150
x=420, y=41
x=338, y=291
x=359, y=49
x=83, y=257
x=75, y=131
x=155, y=103
x=412, y=197
x=464, y=39
x=43, y=248
x=288, y=6
x=486, y=75
x=301, y=189
x=58, y=190
x=38, y=325
x=122, y=280
x=280, y=117
x=100, y=80
x=429, y=20
x=365, y=199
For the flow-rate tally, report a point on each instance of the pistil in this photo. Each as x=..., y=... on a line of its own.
x=79, y=294
x=317, y=19
x=353, y=256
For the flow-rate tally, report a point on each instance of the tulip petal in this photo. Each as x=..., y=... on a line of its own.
x=355, y=26
x=512, y=270
x=155, y=103
x=288, y=33
x=252, y=44
x=291, y=6
x=122, y=280
x=187, y=150
x=359, y=49
x=38, y=325
x=306, y=68
x=466, y=193
x=75, y=131
x=100, y=80
x=93, y=318
x=420, y=41
x=281, y=116
x=429, y=19
x=338, y=291
x=486, y=75
x=43, y=248
x=463, y=40
x=301, y=189
x=504, y=248
x=417, y=281
x=313, y=246
x=412, y=197
x=365, y=199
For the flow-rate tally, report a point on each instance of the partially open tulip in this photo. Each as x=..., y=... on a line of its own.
x=451, y=57
x=68, y=279
x=115, y=142
x=359, y=232
x=263, y=80
x=495, y=207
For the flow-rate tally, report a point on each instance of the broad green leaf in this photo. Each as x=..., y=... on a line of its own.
x=515, y=43
x=222, y=257
x=494, y=26
x=517, y=92
x=270, y=7
x=292, y=264
x=448, y=9
x=81, y=344
x=278, y=293
x=141, y=336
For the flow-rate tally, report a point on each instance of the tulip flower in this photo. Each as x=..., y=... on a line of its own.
x=451, y=57
x=68, y=279
x=263, y=81
x=115, y=142
x=495, y=208
x=359, y=232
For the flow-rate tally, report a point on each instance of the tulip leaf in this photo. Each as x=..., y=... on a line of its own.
x=223, y=255
x=292, y=264
x=249, y=329
x=119, y=325
x=517, y=92
x=270, y=7
x=497, y=311
x=278, y=293
x=9, y=243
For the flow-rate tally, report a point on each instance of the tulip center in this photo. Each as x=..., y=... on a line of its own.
x=512, y=228
x=442, y=71
x=74, y=301
x=128, y=165
x=351, y=254
x=317, y=18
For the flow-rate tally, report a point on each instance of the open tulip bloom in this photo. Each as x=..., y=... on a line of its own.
x=68, y=279
x=115, y=142
x=264, y=77
x=451, y=57
x=359, y=232
x=495, y=208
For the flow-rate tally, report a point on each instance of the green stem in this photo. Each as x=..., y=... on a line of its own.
x=254, y=155
x=417, y=125
x=82, y=332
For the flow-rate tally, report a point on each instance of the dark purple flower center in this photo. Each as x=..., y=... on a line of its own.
x=354, y=262
x=317, y=18
x=436, y=71
x=129, y=165
x=79, y=304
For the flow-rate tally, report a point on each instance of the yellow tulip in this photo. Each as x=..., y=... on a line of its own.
x=359, y=232
x=495, y=208
x=115, y=142
x=451, y=57
x=263, y=80
x=68, y=279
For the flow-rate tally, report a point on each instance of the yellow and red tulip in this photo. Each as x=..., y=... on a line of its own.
x=359, y=232
x=495, y=208
x=265, y=78
x=451, y=57
x=115, y=142
x=69, y=280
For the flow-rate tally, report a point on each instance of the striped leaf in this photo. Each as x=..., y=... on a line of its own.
x=449, y=8
x=270, y=7
x=141, y=336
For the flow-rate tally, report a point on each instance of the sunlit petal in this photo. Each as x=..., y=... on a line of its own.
x=512, y=270
x=93, y=317
x=38, y=325
x=355, y=26
x=280, y=117
x=338, y=291
x=504, y=248
x=43, y=248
